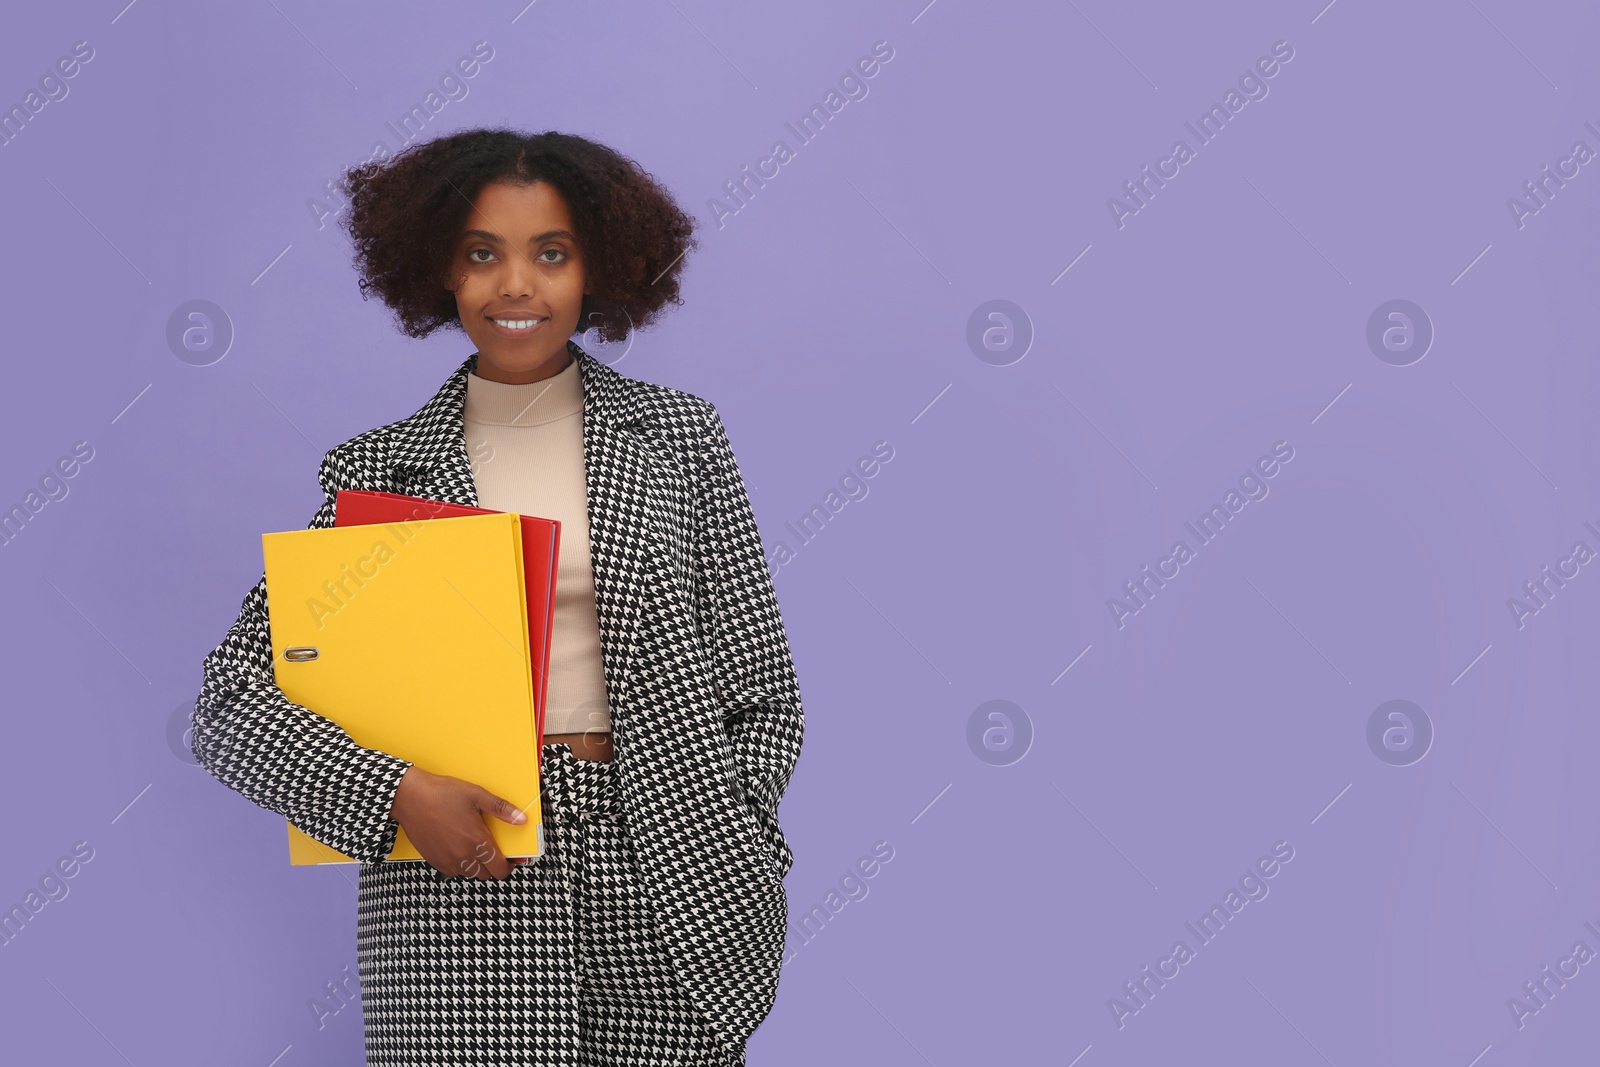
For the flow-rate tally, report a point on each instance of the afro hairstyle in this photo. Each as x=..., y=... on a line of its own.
x=407, y=212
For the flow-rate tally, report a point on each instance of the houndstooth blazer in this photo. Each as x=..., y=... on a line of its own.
x=704, y=701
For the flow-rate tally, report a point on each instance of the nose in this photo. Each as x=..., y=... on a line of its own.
x=518, y=277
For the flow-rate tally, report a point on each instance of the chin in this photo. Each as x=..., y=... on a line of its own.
x=514, y=358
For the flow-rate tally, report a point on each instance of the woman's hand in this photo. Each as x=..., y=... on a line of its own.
x=443, y=817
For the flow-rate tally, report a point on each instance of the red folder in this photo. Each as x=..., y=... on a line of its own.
x=541, y=541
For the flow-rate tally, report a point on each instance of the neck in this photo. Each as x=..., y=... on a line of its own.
x=490, y=370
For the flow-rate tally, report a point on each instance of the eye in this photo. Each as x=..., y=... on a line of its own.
x=557, y=251
x=475, y=251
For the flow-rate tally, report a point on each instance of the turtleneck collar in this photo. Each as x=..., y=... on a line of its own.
x=527, y=404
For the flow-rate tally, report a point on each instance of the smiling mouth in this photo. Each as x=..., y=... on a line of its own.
x=522, y=325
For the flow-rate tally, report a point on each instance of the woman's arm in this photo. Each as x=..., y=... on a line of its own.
x=285, y=757
x=738, y=608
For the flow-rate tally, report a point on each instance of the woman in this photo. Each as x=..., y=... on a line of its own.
x=651, y=928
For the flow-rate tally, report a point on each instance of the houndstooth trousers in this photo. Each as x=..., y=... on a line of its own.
x=584, y=981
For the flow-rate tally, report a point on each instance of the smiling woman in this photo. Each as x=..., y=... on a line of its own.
x=410, y=219
x=519, y=296
x=650, y=927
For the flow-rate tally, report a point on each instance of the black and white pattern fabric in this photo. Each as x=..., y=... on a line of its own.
x=706, y=729
x=584, y=978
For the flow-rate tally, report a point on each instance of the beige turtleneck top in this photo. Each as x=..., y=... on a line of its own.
x=525, y=443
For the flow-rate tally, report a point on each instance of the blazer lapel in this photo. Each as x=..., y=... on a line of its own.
x=624, y=477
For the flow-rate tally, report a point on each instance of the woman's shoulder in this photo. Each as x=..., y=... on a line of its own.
x=685, y=412
x=365, y=461
x=378, y=441
x=675, y=412
x=424, y=429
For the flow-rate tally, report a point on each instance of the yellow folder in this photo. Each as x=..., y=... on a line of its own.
x=413, y=638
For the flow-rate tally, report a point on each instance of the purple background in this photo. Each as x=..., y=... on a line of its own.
x=829, y=313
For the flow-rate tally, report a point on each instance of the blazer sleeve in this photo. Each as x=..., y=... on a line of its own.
x=737, y=606
x=285, y=757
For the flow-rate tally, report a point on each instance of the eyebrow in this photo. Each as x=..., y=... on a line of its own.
x=535, y=239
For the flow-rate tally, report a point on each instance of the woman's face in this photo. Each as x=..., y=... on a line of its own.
x=517, y=261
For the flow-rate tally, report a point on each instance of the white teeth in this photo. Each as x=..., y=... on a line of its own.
x=516, y=324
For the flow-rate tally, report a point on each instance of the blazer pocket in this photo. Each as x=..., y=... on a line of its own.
x=759, y=844
x=754, y=832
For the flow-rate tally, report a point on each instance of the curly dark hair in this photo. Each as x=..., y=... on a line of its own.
x=406, y=213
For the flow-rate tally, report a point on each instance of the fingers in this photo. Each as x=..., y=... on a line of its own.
x=460, y=838
x=486, y=862
x=501, y=808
